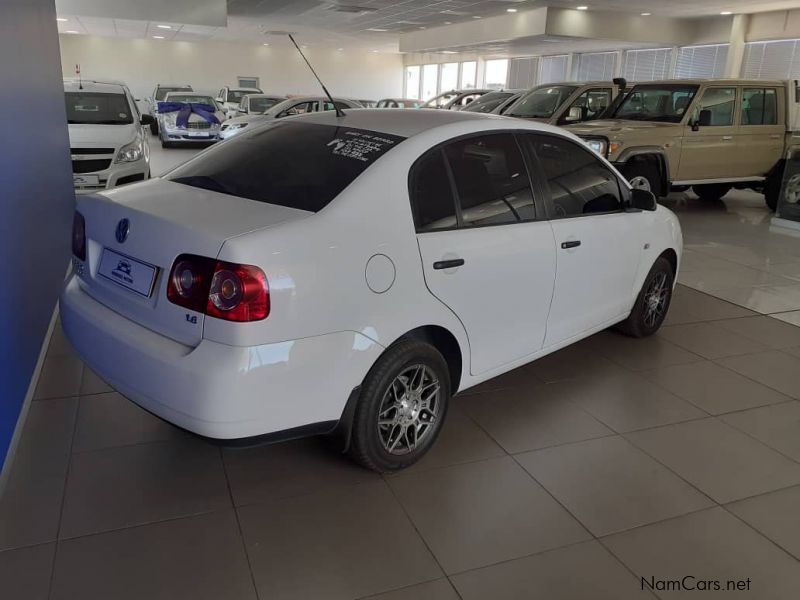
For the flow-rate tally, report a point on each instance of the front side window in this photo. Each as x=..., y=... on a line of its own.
x=488, y=102
x=760, y=106
x=290, y=163
x=491, y=180
x=592, y=103
x=542, y=102
x=715, y=108
x=95, y=108
x=580, y=184
x=659, y=103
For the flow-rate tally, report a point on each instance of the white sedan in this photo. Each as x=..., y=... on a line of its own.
x=352, y=273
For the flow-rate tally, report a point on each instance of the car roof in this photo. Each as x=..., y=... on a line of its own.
x=266, y=96
x=90, y=85
x=408, y=123
x=175, y=85
x=754, y=82
x=243, y=89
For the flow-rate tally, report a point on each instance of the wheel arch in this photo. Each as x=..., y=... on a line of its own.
x=672, y=258
x=647, y=155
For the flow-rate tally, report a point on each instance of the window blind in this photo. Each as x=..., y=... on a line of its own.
x=771, y=60
x=596, y=66
x=647, y=65
x=522, y=72
x=699, y=62
x=553, y=68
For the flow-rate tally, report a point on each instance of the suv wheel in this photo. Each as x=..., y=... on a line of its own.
x=154, y=127
x=653, y=301
x=644, y=176
x=401, y=408
x=711, y=191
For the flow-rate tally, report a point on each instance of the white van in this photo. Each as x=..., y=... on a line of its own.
x=106, y=134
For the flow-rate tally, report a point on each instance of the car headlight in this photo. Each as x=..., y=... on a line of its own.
x=599, y=146
x=131, y=152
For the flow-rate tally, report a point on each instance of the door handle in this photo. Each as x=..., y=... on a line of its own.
x=570, y=244
x=448, y=264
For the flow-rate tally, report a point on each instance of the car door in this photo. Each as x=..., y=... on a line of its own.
x=710, y=152
x=762, y=129
x=487, y=253
x=597, y=243
x=592, y=102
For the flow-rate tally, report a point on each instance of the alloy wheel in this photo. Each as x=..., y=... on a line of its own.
x=655, y=300
x=409, y=410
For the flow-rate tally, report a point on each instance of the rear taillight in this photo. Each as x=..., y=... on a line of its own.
x=219, y=289
x=79, y=236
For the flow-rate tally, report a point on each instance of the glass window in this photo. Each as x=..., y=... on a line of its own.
x=298, y=109
x=449, y=77
x=430, y=77
x=496, y=74
x=260, y=104
x=488, y=102
x=759, y=106
x=580, y=184
x=715, y=108
x=592, y=103
x=541, y=102
x=162, y=92
x=491, y=180
x=248, y=82
x=84, y=108
x=412, y=82
x=661, y=103
x=469, y=75
x=290, y=163
x=190, y=99
x=431, y=195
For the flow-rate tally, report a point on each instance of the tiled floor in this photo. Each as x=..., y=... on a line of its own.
x=568, y=479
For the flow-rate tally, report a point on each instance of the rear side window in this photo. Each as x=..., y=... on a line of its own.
x=294, y=164
x=580, y=184
x=434, y=205
x=759, y=106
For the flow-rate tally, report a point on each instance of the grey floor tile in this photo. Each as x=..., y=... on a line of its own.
x=709, y=340
x=690, y=306
x=708, y=545
x=791, y=317
x=610, y=485
x=775, y=369
x=59, y=344
x=523, y=376
x=640, y=354
x=778, y=426
x=482, y=513
x=60, y=378
x=793, y=351
x=131, y=485
x=108, y=420
x=768, y=331
x=573, y=362
x=626, y=401
x=529, y=418
x=775, y=515
x=91, y=383
x=720, y=461
x=460, y=441
x=713, y=388
x=201, y=558
x=290, y=469
x=439, y=589
x=580, y=572
x=25, y=573
x=30, y=506
x=764, y=300
x=340, y=544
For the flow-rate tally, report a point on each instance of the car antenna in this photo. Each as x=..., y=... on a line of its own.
x=339, y=111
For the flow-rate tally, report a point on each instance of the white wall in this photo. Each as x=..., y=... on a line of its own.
x=207, y=66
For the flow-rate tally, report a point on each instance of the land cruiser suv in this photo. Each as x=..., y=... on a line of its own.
x=567, y=103
x=712, y=135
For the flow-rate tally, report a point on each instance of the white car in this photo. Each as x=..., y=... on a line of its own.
x=107, y=139
x=288, y=108
x=230, y=97
x=352, y=273
x=256, y=104
x=188, y=117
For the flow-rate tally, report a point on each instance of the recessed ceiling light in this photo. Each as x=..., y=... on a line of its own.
x=511, y=10
x=475, y=17
x=304, y=46
x=374, y=50
x=448, y=22
x=646, y=14
x=72, y=31
x=61, y=19
x=266, y=44
x=581, y=8
x=726, y=12
x=449, y=52
x=164, y=26
x=340, y=49
x=158, y=37
x=377, y=29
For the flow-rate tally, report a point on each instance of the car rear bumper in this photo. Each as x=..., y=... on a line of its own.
x=216, y=390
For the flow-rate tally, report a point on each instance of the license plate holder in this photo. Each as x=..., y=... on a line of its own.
x=197, y=134
x=80, y=180
x=127, y=272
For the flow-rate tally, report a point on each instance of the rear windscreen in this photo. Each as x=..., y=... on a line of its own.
x=95, y=108
x=291, y=163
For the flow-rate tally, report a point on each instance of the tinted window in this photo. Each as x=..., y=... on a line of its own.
x=592, y=103
x=541, y=103
x=488, y=102
x=759, y=107
x=162, y=92
x=97, y=108
x=491, y=180
x=431, y=195
x=294, y=164
x=715, y=108
x=579, y=183
x=662, y=103
x=298, y=109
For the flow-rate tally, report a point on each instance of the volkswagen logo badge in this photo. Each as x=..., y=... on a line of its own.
x=123, y=227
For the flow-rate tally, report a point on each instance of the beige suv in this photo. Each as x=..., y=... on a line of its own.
x=567, y=103
x=712, y=135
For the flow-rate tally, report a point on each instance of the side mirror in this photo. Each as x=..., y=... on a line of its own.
x=643, y=199
x=575, y=114
x=703, y=120
x=148, y=120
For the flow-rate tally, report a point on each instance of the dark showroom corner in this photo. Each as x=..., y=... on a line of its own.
x=416, y=300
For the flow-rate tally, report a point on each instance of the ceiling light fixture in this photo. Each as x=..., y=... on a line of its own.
x=61, y=19
x=511, y=10
x=448, y=22
x=581, y=8
x=158, y=37
x=72, y=31
x=646, y=14
x=726, y=12
x=476, y=17
x=164, y=26
x=265, y=44
x=377, y=29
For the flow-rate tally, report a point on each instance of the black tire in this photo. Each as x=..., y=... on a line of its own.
x=644, y=170
x=154, y=127
x=772, y=190
x=367, y=445
x=638, y=323
x=711, y=191
x=165, y=144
